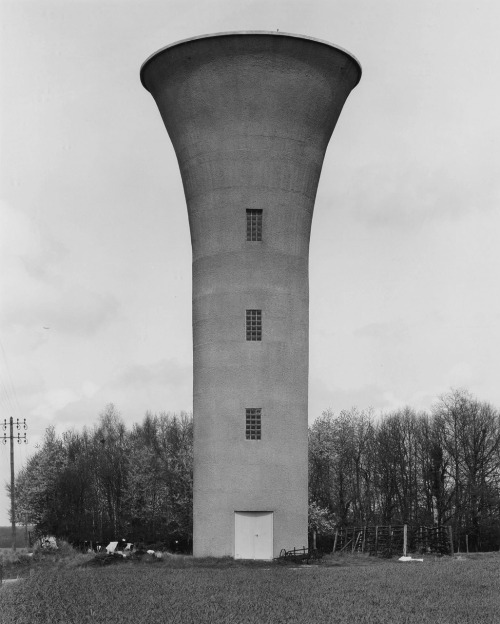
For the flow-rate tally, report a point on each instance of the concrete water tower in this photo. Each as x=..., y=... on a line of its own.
x=250, y=115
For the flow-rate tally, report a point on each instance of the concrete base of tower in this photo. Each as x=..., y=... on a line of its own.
x=249, y=533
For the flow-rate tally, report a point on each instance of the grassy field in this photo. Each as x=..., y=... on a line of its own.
x=352, y=590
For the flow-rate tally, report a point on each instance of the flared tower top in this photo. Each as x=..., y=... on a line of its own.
x=248, y=33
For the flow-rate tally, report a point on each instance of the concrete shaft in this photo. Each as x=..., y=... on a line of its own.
x=250, y=116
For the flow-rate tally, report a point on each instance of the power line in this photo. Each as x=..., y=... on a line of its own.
x=9, y=389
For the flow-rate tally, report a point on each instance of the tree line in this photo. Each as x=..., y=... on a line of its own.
x=411, y=468
x=402, y=467
x=110, y=483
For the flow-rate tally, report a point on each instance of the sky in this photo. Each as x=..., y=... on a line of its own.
x=95, y=256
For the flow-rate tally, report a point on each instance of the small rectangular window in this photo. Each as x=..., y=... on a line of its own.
x=254, y=224
x=254, y=324
x=253, y=423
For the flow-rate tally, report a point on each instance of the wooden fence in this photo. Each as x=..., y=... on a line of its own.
x=387, y=541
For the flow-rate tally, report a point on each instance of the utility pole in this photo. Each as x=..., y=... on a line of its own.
x=19, y=439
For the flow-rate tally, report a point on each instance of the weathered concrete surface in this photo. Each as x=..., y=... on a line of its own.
x=250, y=116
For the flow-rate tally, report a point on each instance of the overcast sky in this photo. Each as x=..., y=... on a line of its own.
x=95, y=275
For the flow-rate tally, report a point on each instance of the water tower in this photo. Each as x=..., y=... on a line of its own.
x=250, y=115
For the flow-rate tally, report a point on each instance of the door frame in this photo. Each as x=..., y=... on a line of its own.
x=254, y=511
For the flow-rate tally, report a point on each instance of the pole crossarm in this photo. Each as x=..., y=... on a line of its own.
x=18, y=424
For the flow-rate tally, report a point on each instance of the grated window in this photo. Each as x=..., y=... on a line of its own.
x=254, y=324
x=253, y=423
x=254, y=225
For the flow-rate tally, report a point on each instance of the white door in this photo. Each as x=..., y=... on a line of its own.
x=253, y=534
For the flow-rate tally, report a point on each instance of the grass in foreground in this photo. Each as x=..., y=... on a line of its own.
x=179, y=590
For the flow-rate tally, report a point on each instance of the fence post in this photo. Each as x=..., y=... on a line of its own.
x=467, y=543
x=335, y=541
x=405, y=539
x=376, y=540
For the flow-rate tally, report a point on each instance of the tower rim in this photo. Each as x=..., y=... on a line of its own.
x=249, y=33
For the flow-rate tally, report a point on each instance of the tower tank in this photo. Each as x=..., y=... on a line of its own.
x=250, y=115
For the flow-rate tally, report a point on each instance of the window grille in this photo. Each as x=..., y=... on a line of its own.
x=254, y=324
x=254, y=224
x=253, y=423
